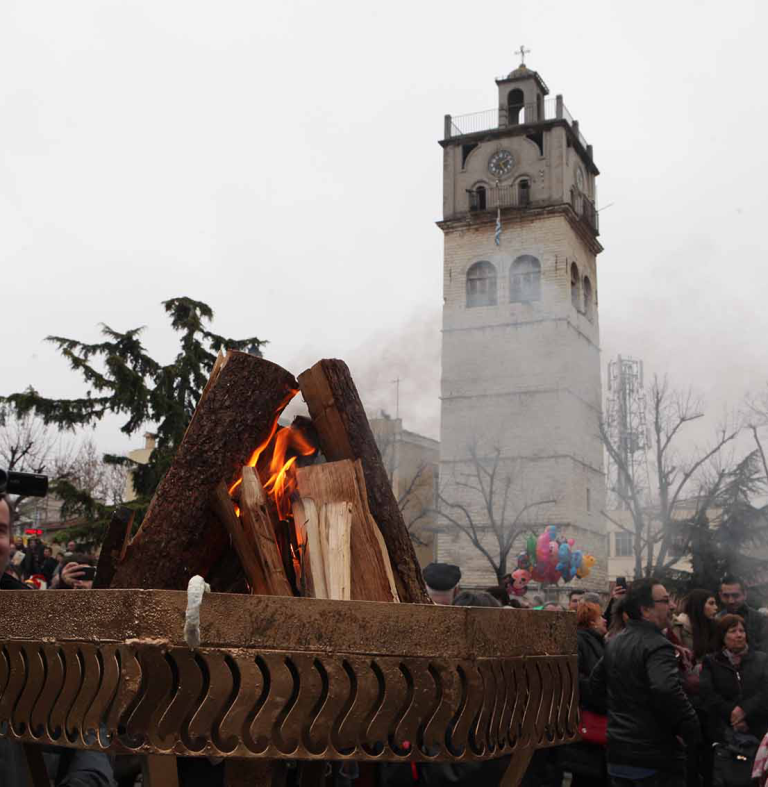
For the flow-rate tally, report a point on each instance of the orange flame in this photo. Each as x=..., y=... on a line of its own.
x=260, y=449
x=282, y=478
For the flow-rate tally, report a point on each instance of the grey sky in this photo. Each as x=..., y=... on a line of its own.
x=280, y=162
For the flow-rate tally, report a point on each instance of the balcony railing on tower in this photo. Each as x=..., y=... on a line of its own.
x=514, y=115
x=519, y=196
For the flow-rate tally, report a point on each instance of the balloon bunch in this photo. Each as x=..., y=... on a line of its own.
x=549, y=559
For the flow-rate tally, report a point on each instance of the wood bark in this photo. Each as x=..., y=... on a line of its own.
x=344, y=433
x=179, y=537
x=260, y=537
x=113, y=547
x=342, y=482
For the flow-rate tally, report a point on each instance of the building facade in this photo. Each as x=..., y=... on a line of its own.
x=411, y=461
x=520, y=388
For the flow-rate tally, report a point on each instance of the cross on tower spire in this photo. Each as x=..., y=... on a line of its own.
x=522, y=52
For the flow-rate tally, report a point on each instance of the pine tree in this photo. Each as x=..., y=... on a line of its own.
x=728, y=526
x=122, y=378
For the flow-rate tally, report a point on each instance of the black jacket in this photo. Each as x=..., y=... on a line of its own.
x=586, y=759
x=591, y=647
x=639, y=679
x=723, y=687
x=7, y=582
x=756, y=626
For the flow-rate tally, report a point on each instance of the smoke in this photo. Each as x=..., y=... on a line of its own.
x=412, y=355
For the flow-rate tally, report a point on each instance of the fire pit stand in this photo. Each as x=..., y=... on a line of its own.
x=284, y=678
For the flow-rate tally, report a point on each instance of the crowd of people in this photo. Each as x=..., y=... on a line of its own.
x=671, y=693
x=36, y=565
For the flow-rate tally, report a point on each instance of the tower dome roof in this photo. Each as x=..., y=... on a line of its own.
x=520, y=72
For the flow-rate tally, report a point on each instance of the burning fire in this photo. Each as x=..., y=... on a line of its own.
x=282, y=478
x=287, y=444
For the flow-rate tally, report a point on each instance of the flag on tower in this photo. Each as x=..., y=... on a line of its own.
x=497, y=238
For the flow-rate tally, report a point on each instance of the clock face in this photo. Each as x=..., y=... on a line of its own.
x=501, y=163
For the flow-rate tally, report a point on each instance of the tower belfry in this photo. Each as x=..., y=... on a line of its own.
x=520, y=382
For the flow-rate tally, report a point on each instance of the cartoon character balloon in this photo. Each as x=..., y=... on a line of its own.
x=520, y=580
x=586, y=566
x=549, y=558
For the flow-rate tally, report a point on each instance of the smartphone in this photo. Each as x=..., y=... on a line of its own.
x=89, y=572
x=621, y=582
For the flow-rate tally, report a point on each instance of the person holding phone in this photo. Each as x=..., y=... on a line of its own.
x=619, y=590
x=77, y=573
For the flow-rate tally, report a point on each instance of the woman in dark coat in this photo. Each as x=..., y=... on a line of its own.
x=586, y=761
x=734, y=685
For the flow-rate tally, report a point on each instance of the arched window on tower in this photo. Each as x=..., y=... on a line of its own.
x=478, y=198
x=587, y=284
x=481, y=285
x=515, y=104
x=524, y=192
x=525, y=280
x=575, y=285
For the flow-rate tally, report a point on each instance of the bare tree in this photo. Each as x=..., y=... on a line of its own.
x=26, y=445
x=655, y=528
x=84, y=468
x=504, y=511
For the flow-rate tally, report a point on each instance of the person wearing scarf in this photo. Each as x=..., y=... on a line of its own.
x=734, y=686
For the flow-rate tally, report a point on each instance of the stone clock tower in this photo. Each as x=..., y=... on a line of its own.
x=521, y=346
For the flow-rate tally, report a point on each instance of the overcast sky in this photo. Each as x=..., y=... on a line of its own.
x=280, y=162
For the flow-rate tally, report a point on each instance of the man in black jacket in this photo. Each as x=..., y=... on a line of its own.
x=650, y=719
x=733, y=596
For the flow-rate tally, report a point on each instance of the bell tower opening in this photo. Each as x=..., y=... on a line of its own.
x=515, y=105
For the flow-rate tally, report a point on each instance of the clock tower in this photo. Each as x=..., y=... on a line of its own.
x=520, y=386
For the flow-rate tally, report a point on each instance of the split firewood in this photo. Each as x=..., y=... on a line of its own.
x=178, y=537
x=344, y=433
x=336, y=530
x=225, y=510
x=260, y=535
x=307, y=520
x=342, y=482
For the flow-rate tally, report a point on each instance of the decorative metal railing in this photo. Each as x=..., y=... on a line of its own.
x=503, y=117
x=516, y=197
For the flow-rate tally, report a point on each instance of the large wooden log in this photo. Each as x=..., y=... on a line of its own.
x=179, y=536
x=344, y=433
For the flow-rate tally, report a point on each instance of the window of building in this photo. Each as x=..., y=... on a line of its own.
x=465, y=151
x=575, y=285
x=624, y=545
x=524, y=192
x=587, y=284
x=589, y=500
x=515, y=103
x=478, y=198
x=525, y=280
x=481, y=285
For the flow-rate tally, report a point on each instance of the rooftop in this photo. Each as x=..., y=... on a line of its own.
x=490, y=119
